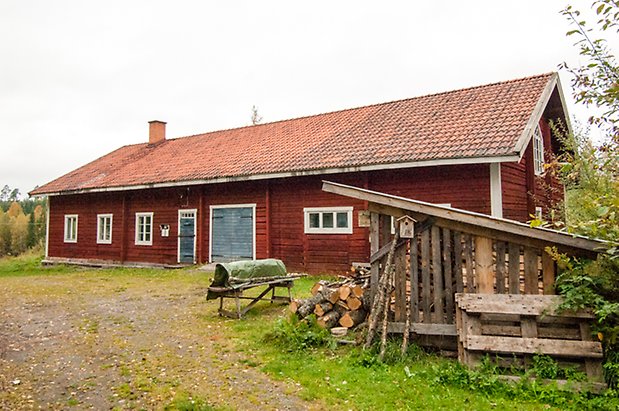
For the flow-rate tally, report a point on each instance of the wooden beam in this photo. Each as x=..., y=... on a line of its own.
x=523, y=304
x=514, y=345
x=408, y=206
x=424, y=329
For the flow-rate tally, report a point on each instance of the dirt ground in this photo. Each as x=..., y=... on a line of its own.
x=100, y=340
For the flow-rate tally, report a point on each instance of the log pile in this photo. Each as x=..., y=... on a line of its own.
x=336, y=304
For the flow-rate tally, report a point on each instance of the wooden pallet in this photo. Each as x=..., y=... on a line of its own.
x=515, y=327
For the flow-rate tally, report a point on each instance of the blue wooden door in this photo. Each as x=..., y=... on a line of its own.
x=232, y=234
x=186, y=236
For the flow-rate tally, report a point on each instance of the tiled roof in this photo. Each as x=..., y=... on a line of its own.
x=478, y=122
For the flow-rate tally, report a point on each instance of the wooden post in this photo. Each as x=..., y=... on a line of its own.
x=458, y=262
x=514, y=268
x=548, y=273
x=483, y=265
x=437, y=276
x=447, y=267
x=500, y=267
x=401, y=269
x=374, y=247
x=414, y=279
x=530, y=271
x=425, y=275
x=468, y=263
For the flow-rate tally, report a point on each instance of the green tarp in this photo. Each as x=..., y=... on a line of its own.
x=241, y=272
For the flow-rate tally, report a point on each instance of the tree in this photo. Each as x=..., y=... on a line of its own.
x=5, y=193
x=15, y=209
x=255, y=117
x=5, y=233
x=596, y=83
x=19, y=234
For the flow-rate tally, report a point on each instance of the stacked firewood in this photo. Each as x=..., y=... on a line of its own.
x=336, y=304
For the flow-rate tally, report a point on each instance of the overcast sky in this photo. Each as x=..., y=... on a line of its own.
x=79, y=79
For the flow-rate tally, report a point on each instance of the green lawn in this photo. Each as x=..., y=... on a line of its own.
x=326, y=377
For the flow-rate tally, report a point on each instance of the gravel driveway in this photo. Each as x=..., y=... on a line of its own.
x=102, y=340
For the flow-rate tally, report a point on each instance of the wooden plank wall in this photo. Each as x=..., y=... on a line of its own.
x=440, y=262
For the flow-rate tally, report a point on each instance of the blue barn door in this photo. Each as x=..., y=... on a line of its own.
x=186, y=236
x=232, y=233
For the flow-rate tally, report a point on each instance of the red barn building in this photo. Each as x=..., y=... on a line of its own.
x=255, y=192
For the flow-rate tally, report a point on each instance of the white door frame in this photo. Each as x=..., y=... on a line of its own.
x=178, y=233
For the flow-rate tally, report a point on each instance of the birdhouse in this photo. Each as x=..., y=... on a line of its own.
x=407, y=226
x=364, y=218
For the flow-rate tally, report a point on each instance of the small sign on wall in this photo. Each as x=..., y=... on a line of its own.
x=165, y=230
x=364, y=218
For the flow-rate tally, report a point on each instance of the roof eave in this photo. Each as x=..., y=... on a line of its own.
x=513, y=157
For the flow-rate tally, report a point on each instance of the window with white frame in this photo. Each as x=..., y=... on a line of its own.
x=328, y=220
x=70, y=228
x=104, y=228
x=538, y=151
x=144, y=228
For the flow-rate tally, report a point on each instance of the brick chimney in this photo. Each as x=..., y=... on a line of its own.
x=156, y=132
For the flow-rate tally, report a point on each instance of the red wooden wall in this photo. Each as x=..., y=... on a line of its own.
x=279, y=213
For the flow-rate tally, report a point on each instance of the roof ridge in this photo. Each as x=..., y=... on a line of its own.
x=547, y=74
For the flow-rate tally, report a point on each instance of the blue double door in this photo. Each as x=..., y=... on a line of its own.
x=232, y=233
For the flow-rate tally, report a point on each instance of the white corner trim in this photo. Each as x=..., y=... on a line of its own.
x=210, y=226
x=496, y=191
x=49, y=208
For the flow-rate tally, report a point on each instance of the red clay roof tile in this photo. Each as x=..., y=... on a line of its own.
x=484, y=121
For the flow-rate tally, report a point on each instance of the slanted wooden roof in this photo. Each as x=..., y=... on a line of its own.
x=468, y=221
x=489, y=123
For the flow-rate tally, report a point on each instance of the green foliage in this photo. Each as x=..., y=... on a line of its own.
x=596, y=82
x=295, y=335
x=22, y=224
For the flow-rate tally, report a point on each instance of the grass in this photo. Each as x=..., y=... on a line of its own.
x=326, y=376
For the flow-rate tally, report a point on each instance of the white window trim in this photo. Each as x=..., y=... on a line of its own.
x=67, y=217
x=210, y=226
x=99, y=228
x=152, y=224
x=321, y=210
x=538, y=151
x=195, y=233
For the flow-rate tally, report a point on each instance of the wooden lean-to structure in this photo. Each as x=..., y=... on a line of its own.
x=471, y=283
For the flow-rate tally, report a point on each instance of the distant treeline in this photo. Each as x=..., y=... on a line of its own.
x=22, y=222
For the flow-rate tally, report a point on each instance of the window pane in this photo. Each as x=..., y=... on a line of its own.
x=327, y=220
x=314, y=220
x=342, y=220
